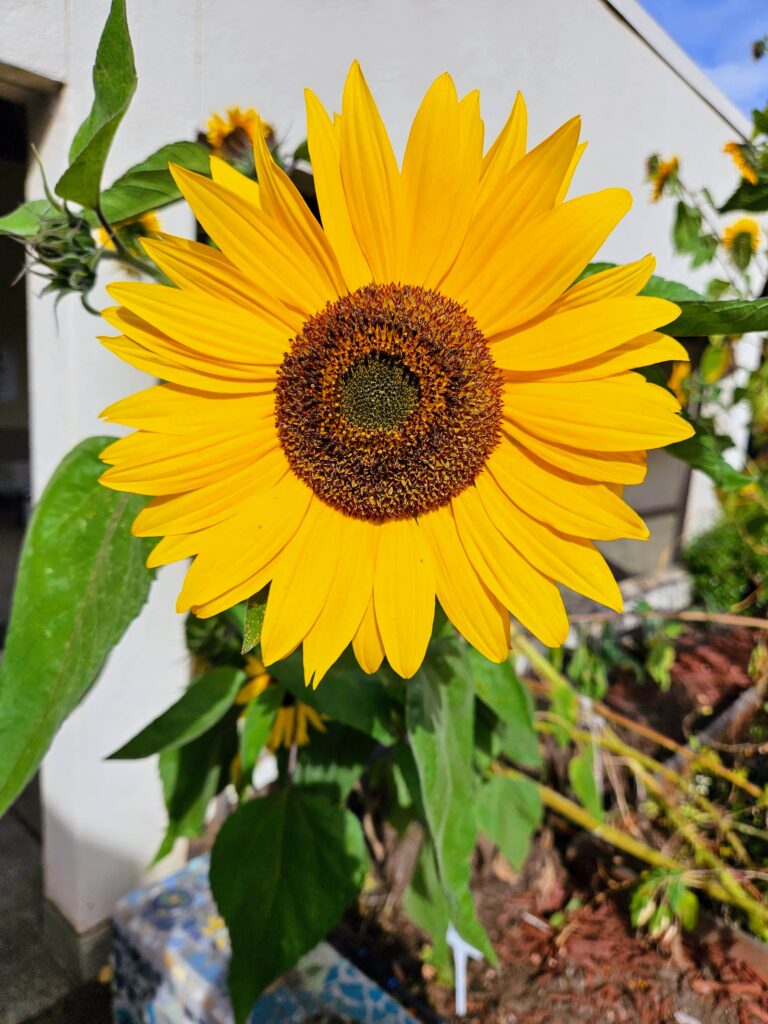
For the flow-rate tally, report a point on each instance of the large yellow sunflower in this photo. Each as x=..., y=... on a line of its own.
x=413, y=401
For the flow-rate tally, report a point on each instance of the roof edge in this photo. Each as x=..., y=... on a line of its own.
x=662, y=44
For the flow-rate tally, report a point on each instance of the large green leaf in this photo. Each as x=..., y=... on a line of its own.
x=257, y=725
x=334, y=760
x=509, y=811
x=749, y=197
x=440, y=718
x=25, y=220
x=284, y=868
x=149, y=184
x=114, y=83
x=425, y=903
x=581, y=774
x=346, y=695
x=736, y=316
x=704, y=451
x=499, y=687
x=206, y=701
x=81, y=581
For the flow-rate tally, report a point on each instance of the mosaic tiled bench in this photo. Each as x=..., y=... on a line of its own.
x=170, y=958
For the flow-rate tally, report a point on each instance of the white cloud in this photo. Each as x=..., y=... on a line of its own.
x=745, y=83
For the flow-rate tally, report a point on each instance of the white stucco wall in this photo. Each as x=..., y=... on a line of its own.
x=194, y=56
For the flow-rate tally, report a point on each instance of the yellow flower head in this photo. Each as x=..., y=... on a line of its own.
x=130, y=231
x=293, y=717
x=736, y=152
x=665, y=169
x=237, y=123
x=412, y=402
x=743, y=226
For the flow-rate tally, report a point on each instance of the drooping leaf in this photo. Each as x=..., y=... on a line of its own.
x=257, y=724
x=439, y=713
x=333, y=761
x=25, y=220
x=255, y=611
x=748, y=197
x=509, y=811
x=425, y=903
x=346, y=695
x=149, y=185
x=114, y=83
x=581, y=774
x=735, y=316
x=704, y=451
x=499, y=687
x=81, y=581
x=283, y=870
x=204, y=703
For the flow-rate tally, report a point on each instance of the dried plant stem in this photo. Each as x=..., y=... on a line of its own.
x=719, y=618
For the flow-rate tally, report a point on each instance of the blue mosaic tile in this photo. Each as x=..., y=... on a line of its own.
x=170, y=957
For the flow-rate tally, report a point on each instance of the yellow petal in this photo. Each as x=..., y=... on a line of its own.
x=530, y=596
x=645, y=350
x=367, y=644
x=616, y=414
x=254, y=242
x=475, y=612
x=371, y=178
x=612, y=467
x=227, y=176
x=216, y=329
x=170, y=409
x=570, y=505
x=570, y=560
x=615, y=282
x=302, y=581
x=542, y=260
x=325, y=150
x=172, y=549
x=404, y=594
x=507, y=150
x=580, y=334
x=347, y=601
x=566, y=182
x=281, y=200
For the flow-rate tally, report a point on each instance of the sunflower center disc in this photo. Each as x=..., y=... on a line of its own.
x=388, y=403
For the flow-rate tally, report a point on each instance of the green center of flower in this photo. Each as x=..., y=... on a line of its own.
x=378, y=393
x=388, y=403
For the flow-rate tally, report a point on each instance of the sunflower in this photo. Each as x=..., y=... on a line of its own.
x=293, y=717
x=227, y=135
x=660, y=175
x=746, y=226
x=737, y=152
x=415, y=401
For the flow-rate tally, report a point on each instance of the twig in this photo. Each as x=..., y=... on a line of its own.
x=721, y=618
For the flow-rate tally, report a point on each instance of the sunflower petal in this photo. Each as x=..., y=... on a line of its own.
x=507, y=150
x=608, y=467
x=367, y=644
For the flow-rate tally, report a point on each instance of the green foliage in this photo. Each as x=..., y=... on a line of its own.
x=425, y=903
x=581, y=775
x=206, y=701
x=748, y=197
x=334, y=761
x=737, y=316
x=689, y=236
x=661, y=651
x=704, y=451
x=284, y=868
x=509, y=810
x=662, y=903
x=253, y=623
x=724, y=569
x=25, y=220
x=81, y=581
x=439, y=715
x=149, y=185
x=114, y=83
x=257, y=723
x=499, y=688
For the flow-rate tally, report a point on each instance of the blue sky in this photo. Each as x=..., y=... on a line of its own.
x=718, y=34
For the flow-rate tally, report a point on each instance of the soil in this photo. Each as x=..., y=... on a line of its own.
x=593, y=969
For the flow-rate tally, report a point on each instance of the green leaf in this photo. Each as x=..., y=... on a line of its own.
x=346, y=695
x=257, y=725
x=283, y=870
x=704, y=451
x=565, y=706
x=333, y=761
x=81, y=581
x=686, y=231
x=748, y=197
x=205, y=702
x=509, y=811
x=114, y=83
x=439, y=714
x=499, y=688
x=25, y=220
x=581, y=774
x=736, y=316
x=254, y=620
x=425, y=903
x=149, y=185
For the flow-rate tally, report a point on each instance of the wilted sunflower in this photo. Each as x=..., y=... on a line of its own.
x=737, y=152
x=414, y=400
x=746, y=226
